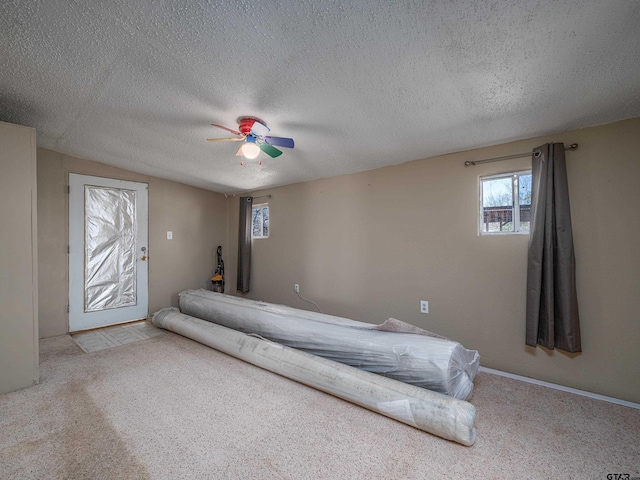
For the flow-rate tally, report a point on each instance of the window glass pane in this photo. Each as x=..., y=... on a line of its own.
x=524, y=183
x=497, y=205
x=265, y=222
x=256, y=222
x=505, y=199
x=524, y=197
x=260, y=221
x=497, y=192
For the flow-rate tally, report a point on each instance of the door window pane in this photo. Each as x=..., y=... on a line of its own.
x=110, y=244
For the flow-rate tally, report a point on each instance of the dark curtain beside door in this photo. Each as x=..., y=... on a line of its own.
x=552, y=303
x=244, y=244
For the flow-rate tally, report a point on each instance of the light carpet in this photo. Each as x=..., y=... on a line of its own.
x=169, y=408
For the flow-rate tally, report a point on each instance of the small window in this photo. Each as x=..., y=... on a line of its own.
x=505, y=203
x=260, y=221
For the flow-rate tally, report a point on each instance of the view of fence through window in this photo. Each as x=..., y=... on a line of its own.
x=505, y=203
x=260, y=221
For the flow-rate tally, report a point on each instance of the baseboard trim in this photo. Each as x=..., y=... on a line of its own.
x=555, y=386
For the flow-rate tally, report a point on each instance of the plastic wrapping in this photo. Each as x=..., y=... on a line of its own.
x=419, y=359
x=429, y=411
x=110, y=260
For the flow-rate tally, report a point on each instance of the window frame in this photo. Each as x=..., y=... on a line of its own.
x=515, y=185
x=256, y=207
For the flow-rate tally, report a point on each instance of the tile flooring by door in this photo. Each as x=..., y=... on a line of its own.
x=108, y=337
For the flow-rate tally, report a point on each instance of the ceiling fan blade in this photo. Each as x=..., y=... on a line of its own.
x=279, y=141
x=235, y=132
x=273, y=152
x=239, y=152
x=259, y=129
x=225, y=139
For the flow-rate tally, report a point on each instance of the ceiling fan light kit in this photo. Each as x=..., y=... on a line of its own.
x=249, y=150
x=254, y=133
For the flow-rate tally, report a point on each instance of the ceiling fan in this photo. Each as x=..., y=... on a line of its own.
x=253, y=132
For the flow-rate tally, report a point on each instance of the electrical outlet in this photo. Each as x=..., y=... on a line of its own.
x=424, y=306
x=169, y=235
x=296, y=287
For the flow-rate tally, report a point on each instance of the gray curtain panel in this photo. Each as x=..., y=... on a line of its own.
x=552, y=302
x=244, y=244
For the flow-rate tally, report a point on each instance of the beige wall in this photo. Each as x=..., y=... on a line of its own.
x=197, y=218
x=372, y=245
x=18, y=259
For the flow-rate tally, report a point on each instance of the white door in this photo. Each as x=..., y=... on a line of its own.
x=108, y=267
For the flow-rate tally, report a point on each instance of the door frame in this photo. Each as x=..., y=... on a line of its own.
x=78, y=319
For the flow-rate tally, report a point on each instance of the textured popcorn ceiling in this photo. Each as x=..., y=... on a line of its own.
x=357, y=84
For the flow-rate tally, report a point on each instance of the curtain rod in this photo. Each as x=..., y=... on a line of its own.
x=263, y=196
x=468, y=163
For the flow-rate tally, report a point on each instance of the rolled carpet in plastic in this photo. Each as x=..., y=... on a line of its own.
x=426, y=361
x=429, y=411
